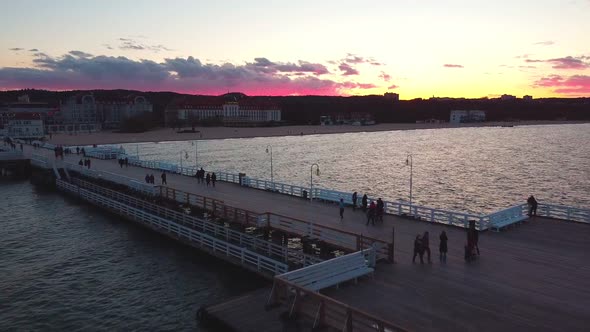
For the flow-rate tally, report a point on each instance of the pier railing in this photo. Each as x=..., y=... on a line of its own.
x=245, y=256
x=326, y=311
x=257, y=244
x=563, y=212
x=11, y=155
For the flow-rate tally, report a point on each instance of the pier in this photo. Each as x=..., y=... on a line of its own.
x=531, y=276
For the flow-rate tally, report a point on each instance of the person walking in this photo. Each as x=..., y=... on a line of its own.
x=208, y=179
x=341, y=206
x=81, y=163
x=442, y=247
x=364, y=201
x=371, y=213
x=426, y=245
x=147, y=178
x=418, y=250
x=88, y=161
x=126, y=162
x=532, y=202
x=380, y=210
x=354, y=197
x=213, y=178
x=163, y=176
x=152, y=179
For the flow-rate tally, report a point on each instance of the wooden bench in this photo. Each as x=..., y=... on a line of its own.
x=331, y=272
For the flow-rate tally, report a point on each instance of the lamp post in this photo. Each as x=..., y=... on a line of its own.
x=185, y=156
x=195, y=143
x=311, y=181
x=272, y=178
x=410, y=163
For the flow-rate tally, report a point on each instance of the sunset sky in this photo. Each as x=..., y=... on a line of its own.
x=457, y=48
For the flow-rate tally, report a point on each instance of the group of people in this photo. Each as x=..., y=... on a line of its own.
x=208, y=178
x=149, y=178
x=59, y=152
x=123, y=162
x=422, y=246
x=84, y=162
x=374, y=210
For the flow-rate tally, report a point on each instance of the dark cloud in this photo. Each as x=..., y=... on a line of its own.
x=16, y=49
x=33, y=50
x=80, y=54
x=568, y=63
x=134, y=45
x=348, y=69
x=450, y=65
x=545, y=43
x=80, y=70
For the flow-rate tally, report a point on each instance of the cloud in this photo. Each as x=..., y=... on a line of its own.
x=16, y=49
x=80, y=70
x=573, y=85
x=449, y=65
x=533, y=60
x=375, y=63
x=386, y=77
x=33, y=50
x=568, y=63
x=351, y=58
x=80, y=54
x=545, y=43
x=347, y=69
x=393, y=86
x=134, y=45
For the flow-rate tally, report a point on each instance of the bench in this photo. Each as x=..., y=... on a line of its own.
x=506, y=218
x=330, y=273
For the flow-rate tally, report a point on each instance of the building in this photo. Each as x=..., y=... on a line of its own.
x=112, y=112
x=25, y=125
x=349, y=118
x=229, y=110
x=45, y=111
x=391, y=95
x=465, y=116
x=527, y=97
x=507, y=97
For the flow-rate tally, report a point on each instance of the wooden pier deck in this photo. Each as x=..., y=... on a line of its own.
x=534, y=277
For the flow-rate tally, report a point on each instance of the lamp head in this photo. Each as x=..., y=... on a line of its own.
x=318, y=172
x=266, y=150
x=407, y=161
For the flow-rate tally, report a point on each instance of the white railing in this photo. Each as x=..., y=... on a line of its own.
x=40, y=161
x=108, y=176
x=400, y=208
x=245, y=256
x=255, y=243
x=564, y=212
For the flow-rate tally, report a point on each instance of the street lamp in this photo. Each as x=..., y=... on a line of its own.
x=185, y=156
x=311, y=182
x=272, y=179
x=410, y=163
x=195, y=143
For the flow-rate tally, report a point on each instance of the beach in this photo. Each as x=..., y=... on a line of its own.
x=204, y=133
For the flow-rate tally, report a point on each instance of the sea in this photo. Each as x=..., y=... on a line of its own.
x=65, y=265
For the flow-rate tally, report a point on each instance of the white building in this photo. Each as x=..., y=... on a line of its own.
x=231, y=113
x=25, y=125
x=465, y=116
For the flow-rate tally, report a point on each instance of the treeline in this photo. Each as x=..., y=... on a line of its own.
x=308, y=109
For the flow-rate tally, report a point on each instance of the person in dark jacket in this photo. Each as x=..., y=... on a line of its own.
x=365, y=201
x=426, y=245
x=354, y=197
x=163, y=176
x=208, y=179
x=380, y=210
x=442, y=247
x=532, y=202
x=418, y=250
x=213, y=178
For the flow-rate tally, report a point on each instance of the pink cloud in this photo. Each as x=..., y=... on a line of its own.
x=391, y=87
x=80, y=70
x=576, y=84
x=348, y=69
x=545, y=43
x=532, y=60
x=449, y=65
x=386, y=77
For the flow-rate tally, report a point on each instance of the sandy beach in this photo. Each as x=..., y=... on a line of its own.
x=169, y=134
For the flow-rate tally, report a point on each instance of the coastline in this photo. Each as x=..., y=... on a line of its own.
x=206, y=133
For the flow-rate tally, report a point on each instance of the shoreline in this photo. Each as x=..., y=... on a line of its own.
x=211, y=133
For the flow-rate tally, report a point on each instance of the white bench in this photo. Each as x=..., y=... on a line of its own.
x=331, y=272
x=506, y=218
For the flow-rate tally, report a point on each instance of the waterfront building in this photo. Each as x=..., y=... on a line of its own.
x=227, y=110
x=46, y=111
x=507, y=97
x=527, y=97
x=25, y=125
x=113, y=111
x=391, y=95
x=465, y=116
